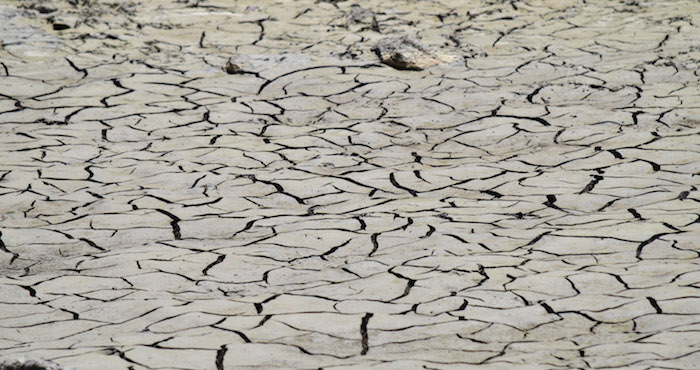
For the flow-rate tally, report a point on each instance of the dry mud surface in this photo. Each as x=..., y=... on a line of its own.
x=528, y=200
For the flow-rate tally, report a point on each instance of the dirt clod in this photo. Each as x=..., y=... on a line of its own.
x=407, y=53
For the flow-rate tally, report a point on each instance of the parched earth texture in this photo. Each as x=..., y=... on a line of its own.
x=531, y=203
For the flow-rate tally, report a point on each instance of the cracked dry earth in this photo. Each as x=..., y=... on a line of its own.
x=532, y=202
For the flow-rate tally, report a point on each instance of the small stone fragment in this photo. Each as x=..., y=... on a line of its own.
x=360, y=15
x=232, y=68
x=407, y=53
x=334, y=2
x=45, y=8
x=63, y=23
x=375, y=25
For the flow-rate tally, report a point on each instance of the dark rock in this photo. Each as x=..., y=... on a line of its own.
x=45, y=9
x=63, y=22
x=232, y=68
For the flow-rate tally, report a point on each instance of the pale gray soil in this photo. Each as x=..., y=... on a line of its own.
x=228, y=185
